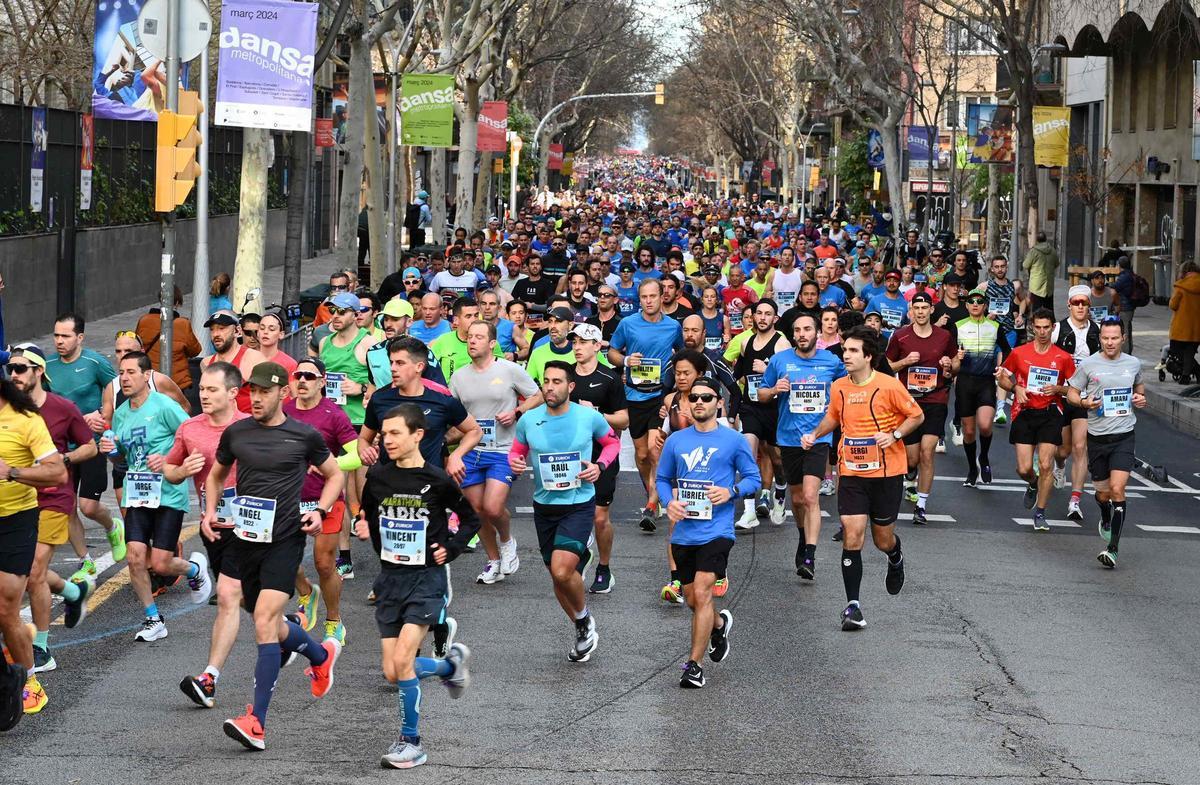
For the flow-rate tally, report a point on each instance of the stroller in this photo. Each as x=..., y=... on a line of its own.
x=1172, y=362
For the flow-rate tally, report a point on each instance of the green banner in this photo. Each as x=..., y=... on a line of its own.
x=427, y=110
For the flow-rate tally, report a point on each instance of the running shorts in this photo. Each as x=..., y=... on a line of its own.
x=52, y=527
x=876, y=497
x=410, y=596
x=972, y=392
x=91, y=477
x=157, y=528
x=760, y=421
x=218, y=549
x=934, y=423
x=18, y=541
x=1037, y=426
x=644, y=415
x=264, y=565
x=799, y=463
x=565, y=527
x=711, y=556
x=1107, y=454
x=483, y=466
x=606, y=484
x=1071, y=413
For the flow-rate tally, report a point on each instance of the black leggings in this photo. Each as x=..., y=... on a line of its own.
x=1186, y=351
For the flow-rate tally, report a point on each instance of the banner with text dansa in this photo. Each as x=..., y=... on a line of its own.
x=427, y=110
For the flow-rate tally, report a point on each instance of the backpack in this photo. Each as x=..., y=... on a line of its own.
x=1139, y=294
x=412, y=217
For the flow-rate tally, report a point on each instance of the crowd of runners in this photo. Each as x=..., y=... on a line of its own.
x=757, y=361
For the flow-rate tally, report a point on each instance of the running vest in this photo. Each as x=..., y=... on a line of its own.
x=243, y=396
x=119, y=397
x=745, y=367
x=1066, y=338
x=342, y=359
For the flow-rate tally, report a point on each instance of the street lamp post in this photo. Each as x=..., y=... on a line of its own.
x=804, y=169
x=515, y=143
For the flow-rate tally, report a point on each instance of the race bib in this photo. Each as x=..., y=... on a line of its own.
x=306, y=507
x=1039, y=378
x=999, y=306
x=735, y=321
x=861, y=455
x=560, y=470
x=402, y=542
x=333, y=388
x=1116, y=401
x=922, y=378
x=224, y=506
x=647, y=371
x=1098, y=313
x=807, y=398
x=752, y=383
x=785, y=300
x=891, y=316
x=712, y=342
x=489, y=433
x=143, y=489
x=694, y=494
x=253, y=518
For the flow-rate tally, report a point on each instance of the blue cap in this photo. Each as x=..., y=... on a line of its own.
x=346, y=300
x=919, y=278
x=409, y=272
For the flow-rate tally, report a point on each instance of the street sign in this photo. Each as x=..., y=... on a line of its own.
x=195, y=28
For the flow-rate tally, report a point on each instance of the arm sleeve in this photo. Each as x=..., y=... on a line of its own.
x=349, y=461
x=610, y=447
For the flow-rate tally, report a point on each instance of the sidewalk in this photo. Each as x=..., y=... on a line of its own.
x=1150, y=326
x=99, y=333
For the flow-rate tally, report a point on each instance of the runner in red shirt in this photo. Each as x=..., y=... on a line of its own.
x=735, y=297
x=1037, y=374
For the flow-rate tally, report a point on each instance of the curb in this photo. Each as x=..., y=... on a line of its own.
x=1183, y=413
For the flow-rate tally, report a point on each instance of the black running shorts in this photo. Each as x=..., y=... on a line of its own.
x=1072, y=413
x=18, y=541
x=876, y=497
x=91, y=477
x=565, y=527
x=760, y=420
x=218, y=549
x=934, y=423
x=1107, y=454
x=606, y=484
x=972, y=392
x=644, y=415
x=799, y=463
x=711, y=556
x=157, y=527
x=410, y=596
x=1037, y=426
x=259, y=566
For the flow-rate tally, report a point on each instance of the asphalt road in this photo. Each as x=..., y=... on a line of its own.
x=1010, y=657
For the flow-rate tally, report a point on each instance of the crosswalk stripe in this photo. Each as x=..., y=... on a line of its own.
x=1051, y=521
x=929, y=516
x=1170, y=529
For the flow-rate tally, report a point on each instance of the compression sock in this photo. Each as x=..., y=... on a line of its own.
x=266, y=672
x=41, y=639
x=152, y=611
x=344, y=555
x=1118, y=520
x=852, y=573
x=70, y=591
x=985, y=446
x=428, y=666
x=409, y=694
x=780, y=491
x=1106, y=511
x=922, y=499
x=301, y=642
x=969, y=449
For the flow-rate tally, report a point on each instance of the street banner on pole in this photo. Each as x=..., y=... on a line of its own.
x=768, y=169
x=427, y=110
x=1051, y=135
x=556, y=158
x=265, y=71
x=920, y=144
x=324, y=135
x=1196, y=110
x=86, y=161
x=37, y=161
x=874, y=149
x=493, y=127
x=990, y=126
x=568, y=165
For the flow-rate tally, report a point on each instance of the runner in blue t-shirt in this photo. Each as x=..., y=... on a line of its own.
x=800, y=379
x=697, y=473
x=556, y=439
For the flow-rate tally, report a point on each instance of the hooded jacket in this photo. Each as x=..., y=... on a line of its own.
x=1041, y=263
x=1185, y=302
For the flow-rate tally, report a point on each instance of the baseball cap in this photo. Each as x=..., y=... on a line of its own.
x=892, y=274
x=952, y=279
x=981, y=291
x=920, y=278
x=411, y=272
x=493, y=268
x=1096, y=274
x=710, y=383
x=921, y=297
x=35, y=355
x=507, y=244
x=345, y=300
x=861, y=244
x=227, y=318
x=712, y=268
x=679, y=275
x=398, y=307
x=627, y=267
x=588, y=332
x=562, y=313
x=269, y=374
x=314, y=362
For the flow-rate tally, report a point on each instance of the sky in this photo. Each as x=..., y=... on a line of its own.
x=663, y=15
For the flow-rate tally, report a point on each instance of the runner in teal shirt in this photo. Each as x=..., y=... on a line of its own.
x=150, y=430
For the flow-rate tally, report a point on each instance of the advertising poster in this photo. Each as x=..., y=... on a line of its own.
x=1051, y=135
x=37, y=160
x=427, y=110
x=128, y=83
x=991, y=128
x=920, y=141
x=86, y=161
x=324, y=135
x=556, y=158
x=265, y=71
x=493, y=127
x=874, y=149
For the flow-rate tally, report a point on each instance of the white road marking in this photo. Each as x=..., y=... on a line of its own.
x=929, y=516
x=1170, y=529
x=1051, y=521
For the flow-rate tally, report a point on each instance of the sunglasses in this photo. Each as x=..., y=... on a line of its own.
x=307, y=376
x=127, y=334
x=343, y=288
x=976, y=301
x=701, y=397
x=412, y=280
x=15, y=368
x=1081, y=302
x=335, y=311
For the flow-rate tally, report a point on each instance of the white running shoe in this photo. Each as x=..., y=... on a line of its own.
x=202, y=584
x=491, y=573
x=827, y=487
x=941, y=446
x=1073, y=511
x=749, y=518
x=778, y=512
x=957, y=437
x=1060, y=477
x=509, y=562
x=151, y=630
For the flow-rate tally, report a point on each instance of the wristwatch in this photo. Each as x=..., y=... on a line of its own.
x=324, y=512
x=897, y=435
x=67, y=461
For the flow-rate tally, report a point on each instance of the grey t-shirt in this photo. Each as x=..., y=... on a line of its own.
x=487, y=393
x=1112, y=383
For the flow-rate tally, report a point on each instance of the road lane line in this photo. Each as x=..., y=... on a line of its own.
x=1050, y=521
x=1169, y=529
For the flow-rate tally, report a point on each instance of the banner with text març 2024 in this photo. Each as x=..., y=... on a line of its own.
x=265, y=73
x=427, y=110
x=1051, y=135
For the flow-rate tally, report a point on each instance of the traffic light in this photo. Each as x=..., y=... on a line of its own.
x=176, y=168
x=660, y=97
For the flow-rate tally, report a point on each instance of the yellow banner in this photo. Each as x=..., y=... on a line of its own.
x=568, y=165
x=814, y=177
x=1051, y=135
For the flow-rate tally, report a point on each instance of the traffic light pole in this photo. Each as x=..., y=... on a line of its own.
x=200, y=271
x=166, y=297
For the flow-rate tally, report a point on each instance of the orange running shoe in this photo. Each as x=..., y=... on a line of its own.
x=34, y=697
x=246, y=730
x=720, y=587
x=322, y=675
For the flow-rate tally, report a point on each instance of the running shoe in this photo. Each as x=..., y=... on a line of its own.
x=839, y=534
x=919, y=517
x=852, y=618
x=718, y=641
x=646, y=522
x=509, y=562
x=1039, y=522
x=151, y=630
x=673, y=593
x=778, y=513
x=827, y=487
x=116, y=539
x=586, y=639
x=941, y=446
x=43, y=660
x=371, y=598
x=201, y=689
x=603, y=582
x=972, y=478
x=443, y=637
x=33, y=697
x=202, y=584
x=1060, y=476
x=985, y=473
x=472, y=544
x=12, y=694
x=345, y=569
x=403, y=754
x=1107, y=559
x=337, y=631
x=749, y=519
x=807, y=569
x=720, y=587
x=1030, y=497
x=1001, y=417
x=692, y=677
x=458, y=681
x=910, y=492
x=76, y=610
x=309, y=605
x=246, y=730
x=86, y=571
x=957, y=438
x=763, y=508
x=1105, y=529
x=491, y=573
x=894, y=581
x=322, y=675
x=1074, y=512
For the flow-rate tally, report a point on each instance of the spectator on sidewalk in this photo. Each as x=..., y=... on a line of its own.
x=1041, y=263
x=1185, y=322
x=184, y=344
x=1124, y=288
x=218, y=294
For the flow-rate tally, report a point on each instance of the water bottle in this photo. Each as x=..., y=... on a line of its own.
x=110, y=435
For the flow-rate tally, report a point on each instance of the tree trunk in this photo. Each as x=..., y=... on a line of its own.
x=786, y=198
x=350, y=197
x=437, y=196
x=252, y=213
x=483, y=181
x=992, y=245
x=1021, y=68
x=297, y=214
x=891, y=167
x=376, y=220
x=468, y=143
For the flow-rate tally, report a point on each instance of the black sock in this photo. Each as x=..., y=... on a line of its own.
x=969, y=449
x=803, y=541
x=810, y=551
x=985, y=445
x=1106, y=511
x=911, y=474
x=601, y=568
x=894, y=554
x=1118, y=520
x=344, y=555
x=851, y=573
x=674, y=575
